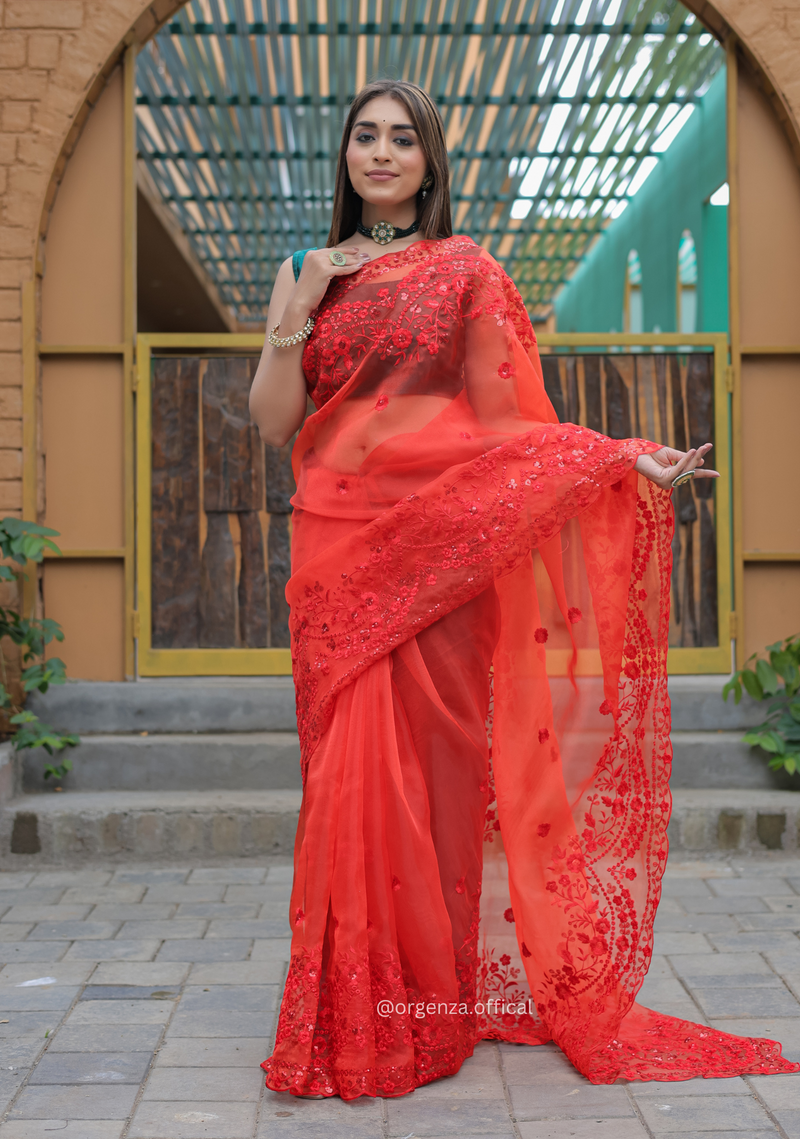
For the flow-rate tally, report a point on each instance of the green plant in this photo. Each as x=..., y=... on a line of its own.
x=22, y=542
x=778, y=679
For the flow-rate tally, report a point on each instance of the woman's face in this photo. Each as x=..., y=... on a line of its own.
x=385, y=161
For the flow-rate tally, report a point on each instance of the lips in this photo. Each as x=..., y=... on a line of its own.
x=382, y=176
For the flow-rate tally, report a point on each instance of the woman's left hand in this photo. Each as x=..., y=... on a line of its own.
x=664, y=466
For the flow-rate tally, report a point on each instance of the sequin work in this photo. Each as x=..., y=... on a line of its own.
x=479, y=617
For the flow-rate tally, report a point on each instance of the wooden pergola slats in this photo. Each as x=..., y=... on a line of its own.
x=240, y=105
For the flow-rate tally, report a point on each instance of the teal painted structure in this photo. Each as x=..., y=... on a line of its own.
x=674, y=198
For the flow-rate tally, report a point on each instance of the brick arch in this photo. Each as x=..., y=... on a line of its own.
x=55, y=57
x=768, y=35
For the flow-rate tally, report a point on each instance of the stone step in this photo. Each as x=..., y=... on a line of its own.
x=697, y=706
x=233, y=761
x=706, y=819
x=118, y=825
x=170, y=704
x=239, y=734
x=721, y=759
x=266, y=704
x=265, y=761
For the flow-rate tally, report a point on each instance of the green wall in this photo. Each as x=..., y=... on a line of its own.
x=674, y=198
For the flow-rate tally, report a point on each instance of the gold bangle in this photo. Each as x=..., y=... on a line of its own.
x=295, y=338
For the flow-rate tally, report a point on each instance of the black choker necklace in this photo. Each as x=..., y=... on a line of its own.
x=383, y=231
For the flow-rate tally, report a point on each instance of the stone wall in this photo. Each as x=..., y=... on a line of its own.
x=54, y=57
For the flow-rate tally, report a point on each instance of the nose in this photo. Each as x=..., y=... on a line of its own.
x=381, y=153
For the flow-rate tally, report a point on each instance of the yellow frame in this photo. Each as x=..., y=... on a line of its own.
x=734, y=326
x=277, y=662
x=182, y=662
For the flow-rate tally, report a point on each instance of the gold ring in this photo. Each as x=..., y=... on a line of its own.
x=337, y=257
x=687, y=476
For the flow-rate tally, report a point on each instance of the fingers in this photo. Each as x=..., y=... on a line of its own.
x=681, y=465
x=355, y=259
x=690, y=460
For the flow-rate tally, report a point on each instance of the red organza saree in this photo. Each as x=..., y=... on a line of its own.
x=479, y=612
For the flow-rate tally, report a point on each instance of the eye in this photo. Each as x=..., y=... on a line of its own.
x=365, y=136
x=403, y=141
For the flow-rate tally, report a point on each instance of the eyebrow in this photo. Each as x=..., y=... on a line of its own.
x=394, y=127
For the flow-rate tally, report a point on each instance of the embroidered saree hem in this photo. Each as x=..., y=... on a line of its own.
x=479, y=620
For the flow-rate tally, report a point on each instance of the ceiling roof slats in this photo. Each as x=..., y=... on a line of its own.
x=241, y=103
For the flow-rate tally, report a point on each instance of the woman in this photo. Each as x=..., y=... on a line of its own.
x=422, y=628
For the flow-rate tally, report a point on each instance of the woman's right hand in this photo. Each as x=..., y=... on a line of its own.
x=278, y=395
x=318, y=271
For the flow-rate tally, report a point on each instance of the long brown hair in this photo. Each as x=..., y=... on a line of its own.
x=433, y=212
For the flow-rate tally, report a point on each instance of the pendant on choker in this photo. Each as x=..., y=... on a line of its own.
x=384, y=232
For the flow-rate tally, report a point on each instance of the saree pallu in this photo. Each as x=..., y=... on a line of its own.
x=479, y=616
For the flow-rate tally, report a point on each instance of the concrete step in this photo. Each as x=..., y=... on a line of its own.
x=170, y=704
x=697, y=706
x=210, y=761
x=720, y=759
x=264, y=761
x=707, y=819
x=271, y=760
x=238, y=733
x=266, y=704
x=118, y=825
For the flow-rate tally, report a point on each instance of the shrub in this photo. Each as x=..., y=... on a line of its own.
x=22, y=542
x=776, y=679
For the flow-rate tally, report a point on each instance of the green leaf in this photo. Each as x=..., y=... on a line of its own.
x=767, y=677
x=734, y=685
x=23, y=541
x=781, y=662
x=59, y=771
x=41, y=676
x=774, y=742
x=33, y=733
x=790, y=763
x=752, y=684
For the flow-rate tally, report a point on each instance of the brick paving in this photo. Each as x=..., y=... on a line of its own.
x=137, y=1003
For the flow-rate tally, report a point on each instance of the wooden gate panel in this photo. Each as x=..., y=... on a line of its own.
x=220, y=542
x=233, y=454
x=669, y=398
x=176, y=503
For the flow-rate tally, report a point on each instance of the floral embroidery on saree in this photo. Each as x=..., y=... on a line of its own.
x=461, y=559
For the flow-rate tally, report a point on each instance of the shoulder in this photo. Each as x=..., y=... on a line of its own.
x=298, y=258
x=458, y=246
x=471, y=259
x=493, y=291
x=475, y=258
x=286, y=271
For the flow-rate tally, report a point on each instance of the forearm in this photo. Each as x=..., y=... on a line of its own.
x=278, y=393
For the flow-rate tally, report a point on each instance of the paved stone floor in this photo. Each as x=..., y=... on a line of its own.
x=137, y=1003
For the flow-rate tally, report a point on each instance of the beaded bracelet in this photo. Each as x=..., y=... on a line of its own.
x=295, y=338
